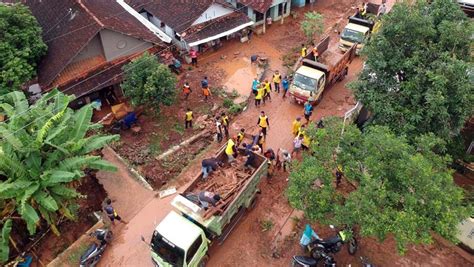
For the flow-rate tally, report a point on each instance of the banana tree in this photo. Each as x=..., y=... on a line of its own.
x=43, y=149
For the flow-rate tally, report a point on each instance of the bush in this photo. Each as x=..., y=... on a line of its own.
x=228, y=103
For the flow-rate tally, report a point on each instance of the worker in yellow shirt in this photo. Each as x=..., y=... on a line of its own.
x=231, y=150
x=259, y=95
x=296, y=126
x=225, y=124
x=268, y=89
x=277, y=81
x=303, y=50
x=306, y=140
x=240, y=136
x=263, y=123
x=188, y=120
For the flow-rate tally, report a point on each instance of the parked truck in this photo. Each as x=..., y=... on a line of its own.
x=183, y=237
x=313, y=77
x=360, y=28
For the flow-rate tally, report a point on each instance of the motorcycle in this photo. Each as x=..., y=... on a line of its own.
x=303, y=261
x=333, y=244
x=93, y=254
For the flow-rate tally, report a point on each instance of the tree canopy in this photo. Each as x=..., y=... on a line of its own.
x=44, y=148
x=147, y=82
x=417, y=74
x=21, y=46
x=313, y=24
x=390, y=185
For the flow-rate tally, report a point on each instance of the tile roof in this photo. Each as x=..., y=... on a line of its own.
x=215, y=26
x=259, y=5
x=179, y=15
x=69, y=25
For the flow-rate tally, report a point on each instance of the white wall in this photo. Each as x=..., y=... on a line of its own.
x=214, y=11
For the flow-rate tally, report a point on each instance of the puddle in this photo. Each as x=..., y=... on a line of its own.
x=240, y=75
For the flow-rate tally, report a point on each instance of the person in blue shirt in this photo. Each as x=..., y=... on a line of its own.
x=255, y=84
x=308, y=236
x=308, y=110
x=286, y=85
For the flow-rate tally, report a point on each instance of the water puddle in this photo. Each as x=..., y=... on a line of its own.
x=240, y=74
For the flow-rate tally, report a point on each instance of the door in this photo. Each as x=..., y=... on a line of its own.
x=196, y=252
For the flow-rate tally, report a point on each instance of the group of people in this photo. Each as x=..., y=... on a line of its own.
x=206, y=91
x=262, y=90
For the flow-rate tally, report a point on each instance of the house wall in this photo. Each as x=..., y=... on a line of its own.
x=92, y=49
x=214, y=11
x=119, y=45
x=166, y=29
x=301, y=3
x=273, y=10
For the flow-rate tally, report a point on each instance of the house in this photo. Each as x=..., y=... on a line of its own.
x=88, y=43
x=260, y=11
x=201, y=24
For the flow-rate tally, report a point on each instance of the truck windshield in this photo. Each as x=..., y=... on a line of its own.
x=304, y=82
x=352, y=36
x=167, y=250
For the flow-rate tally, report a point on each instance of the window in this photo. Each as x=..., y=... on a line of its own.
x=242, y=8
x=162, y=25
x=280, y=9
x=167, y=250
x=258, y=16
x=193, y=249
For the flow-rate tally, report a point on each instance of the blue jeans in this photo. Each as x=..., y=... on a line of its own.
x=206, y=171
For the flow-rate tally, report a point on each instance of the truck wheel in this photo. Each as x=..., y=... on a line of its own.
x=203, y=261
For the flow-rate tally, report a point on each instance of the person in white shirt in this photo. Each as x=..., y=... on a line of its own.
x=286, y=159
x=297, y=142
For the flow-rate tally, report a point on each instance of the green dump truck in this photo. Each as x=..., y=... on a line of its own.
x=183, y=237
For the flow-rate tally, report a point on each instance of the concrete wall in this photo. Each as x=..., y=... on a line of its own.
x=118, y=45
x=93, y=48
x=300, y=3
x=214, y=11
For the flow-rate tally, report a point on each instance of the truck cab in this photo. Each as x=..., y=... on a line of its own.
x=186, y=247
x=308, y=84
x=354, y=34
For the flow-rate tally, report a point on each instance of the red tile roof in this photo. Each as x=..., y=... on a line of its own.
x=69, y=25
x=258, y=5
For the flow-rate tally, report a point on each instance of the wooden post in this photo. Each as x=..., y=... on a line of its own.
x=264, y=21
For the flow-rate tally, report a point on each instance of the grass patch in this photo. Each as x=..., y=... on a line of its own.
x=266, y=225
x=155, y=143
x=75, y=255
x=179, y=128
x=227, y=102
x=236, y=108
x=204, y=109
x=291, y=57
x=234, y=93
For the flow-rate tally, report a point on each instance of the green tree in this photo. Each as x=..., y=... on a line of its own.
x=416, y=79
x=44, y=148
x=313, y=24
x=147, y=82
x=21, y=46
x=393, y=187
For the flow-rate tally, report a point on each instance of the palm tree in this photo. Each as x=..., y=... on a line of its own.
x=43, y=149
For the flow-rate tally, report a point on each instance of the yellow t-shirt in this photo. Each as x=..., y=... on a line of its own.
x=260, y=92
x=240, y=137
x=225, y=120
x=189, y=116
x=263, y=122
x=303, y=51
x=267, y=87
x=228, y=149
x=276, y=78
x=296, y=126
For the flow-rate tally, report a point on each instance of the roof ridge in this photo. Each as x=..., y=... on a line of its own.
x=90, y=13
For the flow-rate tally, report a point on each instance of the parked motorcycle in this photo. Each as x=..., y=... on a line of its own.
x=93, y=254
x=303, y=261
x=333, y=244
